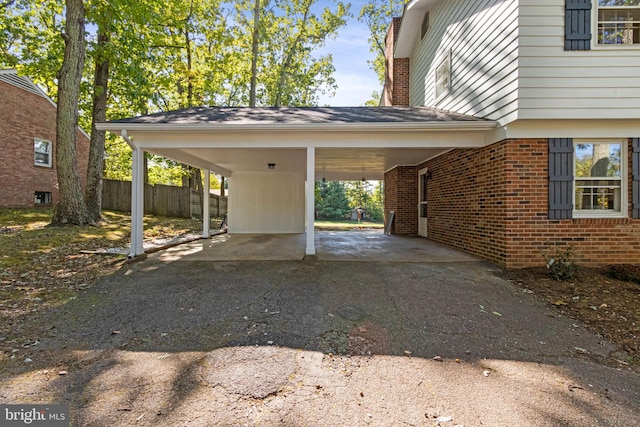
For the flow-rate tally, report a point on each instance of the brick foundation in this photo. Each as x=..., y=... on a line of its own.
x=493, y=202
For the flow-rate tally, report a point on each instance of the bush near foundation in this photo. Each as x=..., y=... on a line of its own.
x=625, y=272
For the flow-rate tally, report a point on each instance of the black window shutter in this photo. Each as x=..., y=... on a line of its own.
x=577, y=25
x=635, y=165
x=560, y=178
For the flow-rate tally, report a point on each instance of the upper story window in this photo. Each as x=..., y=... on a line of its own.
x=424, y=27
x=42, y=152
x=443, y=77
x=599, y=186
x=618, y=22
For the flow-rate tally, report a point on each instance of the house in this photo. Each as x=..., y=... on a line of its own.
x=562, y=167
x=27, y=144
x=490, y=109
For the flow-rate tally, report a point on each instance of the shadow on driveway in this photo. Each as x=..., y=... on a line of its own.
x=297, y=343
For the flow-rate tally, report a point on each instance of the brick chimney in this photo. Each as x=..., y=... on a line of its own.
x=396, y=79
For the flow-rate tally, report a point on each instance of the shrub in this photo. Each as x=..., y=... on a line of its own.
x=624, y=272
x=560, y=263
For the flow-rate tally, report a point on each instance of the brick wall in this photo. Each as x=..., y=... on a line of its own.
x=396, y=82
x=26, y=116
x=401, y=196
x=466, y=200
x=493, y=202
x=596, y=241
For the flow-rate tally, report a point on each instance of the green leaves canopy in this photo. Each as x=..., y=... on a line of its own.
x=166, y=55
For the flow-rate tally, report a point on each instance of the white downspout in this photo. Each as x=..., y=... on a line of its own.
x=137, y=197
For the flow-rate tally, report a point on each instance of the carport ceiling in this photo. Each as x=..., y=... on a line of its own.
x=350, y=142
x=331, y=163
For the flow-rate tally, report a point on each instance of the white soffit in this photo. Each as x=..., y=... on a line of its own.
x=409, y=33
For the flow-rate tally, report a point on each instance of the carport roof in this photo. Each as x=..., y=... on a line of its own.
x=349, y=142
x=296, y=116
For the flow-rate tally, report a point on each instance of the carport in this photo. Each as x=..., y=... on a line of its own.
x=273, y=156
x=355, y=245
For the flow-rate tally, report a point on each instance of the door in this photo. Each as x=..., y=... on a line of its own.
x=423, y=178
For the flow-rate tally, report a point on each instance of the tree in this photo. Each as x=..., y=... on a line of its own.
x=157, y=55
x=377, y=15
x=331, y=200
x=71, y=207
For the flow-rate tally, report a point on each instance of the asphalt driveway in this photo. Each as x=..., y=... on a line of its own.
x=303, y=343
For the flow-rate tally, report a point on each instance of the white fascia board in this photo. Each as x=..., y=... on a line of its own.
x=425, y=139
x=279, y=127
x=571, y=129
x=409, y=33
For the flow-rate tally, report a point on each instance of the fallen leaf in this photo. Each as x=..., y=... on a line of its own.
x=497, y=314
x=559, y=303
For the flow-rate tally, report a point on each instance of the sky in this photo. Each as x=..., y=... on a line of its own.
x=350, y=50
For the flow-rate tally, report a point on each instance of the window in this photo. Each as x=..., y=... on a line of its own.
x=600, y=185
x=42, y=152
x=424, y=27
x=618, y=22
x=443, y=77
x=43, y=198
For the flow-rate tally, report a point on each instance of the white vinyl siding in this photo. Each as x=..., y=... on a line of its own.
x=266, y=202
x=482, y=38
x=602, y=83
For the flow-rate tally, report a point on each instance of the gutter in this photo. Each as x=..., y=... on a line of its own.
x=445, y=126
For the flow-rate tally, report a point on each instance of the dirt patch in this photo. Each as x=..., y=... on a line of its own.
x=606, y=306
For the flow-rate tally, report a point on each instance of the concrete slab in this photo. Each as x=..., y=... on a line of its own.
x=357, y=245
x=374, y=245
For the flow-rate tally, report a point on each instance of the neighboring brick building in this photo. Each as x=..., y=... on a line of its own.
x=27, y=144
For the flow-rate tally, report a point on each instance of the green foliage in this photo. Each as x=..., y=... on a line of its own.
x=560, y=263
x=331, y=200
x=337, y=199
x=624, y=272
x=166, y=55
x=377, y=14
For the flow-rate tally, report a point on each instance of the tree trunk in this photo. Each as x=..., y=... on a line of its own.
x=254, y=54
x=289, y=58
x=71, y=208
x=95, y=170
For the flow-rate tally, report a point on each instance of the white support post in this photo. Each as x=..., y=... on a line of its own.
x=310, y=200
x=137, y=203
x=206, y=220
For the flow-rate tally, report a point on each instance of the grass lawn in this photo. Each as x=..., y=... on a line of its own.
x=43, y=266
x=346, y=225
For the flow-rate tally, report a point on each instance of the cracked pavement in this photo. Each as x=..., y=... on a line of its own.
x=312, y=343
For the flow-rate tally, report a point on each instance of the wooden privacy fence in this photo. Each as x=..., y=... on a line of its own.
x=161, y=200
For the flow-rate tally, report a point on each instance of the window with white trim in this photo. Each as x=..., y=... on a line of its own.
x=42, y=152
x=618, y=22
x=600, y=184
x=443, y=77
